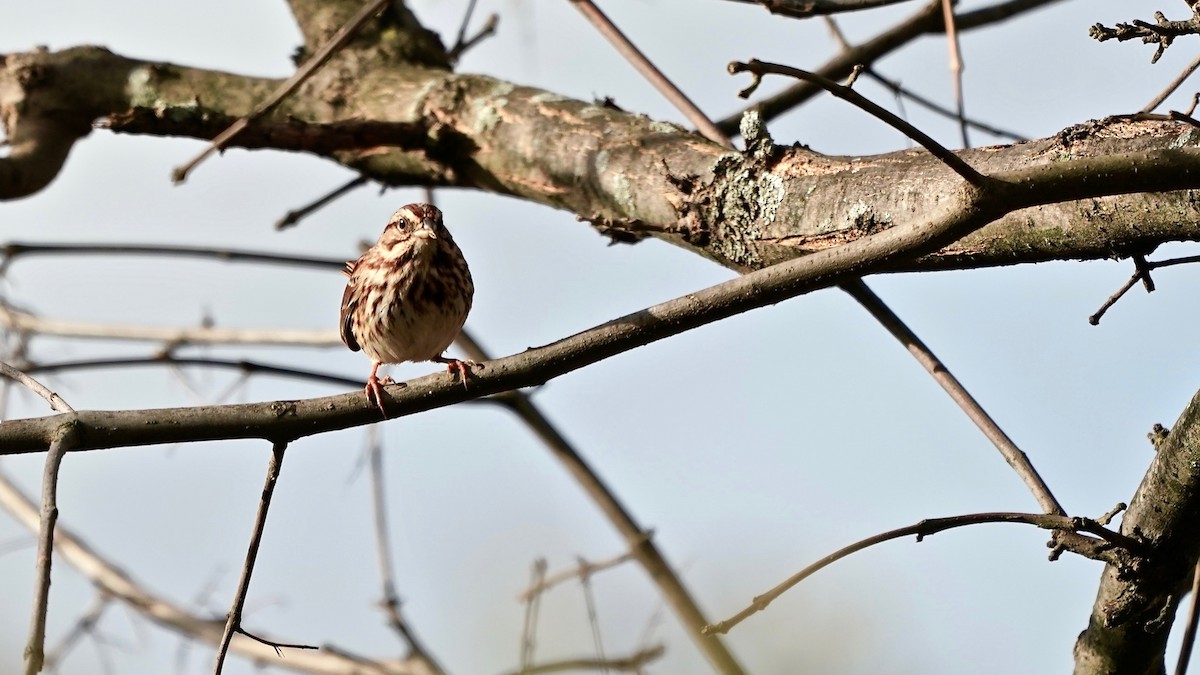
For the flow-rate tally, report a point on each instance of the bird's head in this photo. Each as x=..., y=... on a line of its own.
x=417, y=225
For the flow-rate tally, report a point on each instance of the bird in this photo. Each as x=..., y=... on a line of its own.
x=408, y=296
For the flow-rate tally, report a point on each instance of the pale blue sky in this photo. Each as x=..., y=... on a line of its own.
x=752, y=447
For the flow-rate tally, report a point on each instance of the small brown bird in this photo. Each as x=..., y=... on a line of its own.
x=408, y=295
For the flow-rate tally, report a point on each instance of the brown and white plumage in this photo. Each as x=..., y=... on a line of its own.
x=408, y=295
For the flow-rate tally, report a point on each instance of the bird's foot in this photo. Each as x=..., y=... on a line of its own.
x=374, y=391
x=460, y=366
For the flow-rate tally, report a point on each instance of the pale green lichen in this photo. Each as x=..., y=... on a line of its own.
x=141, y=93
x=615, y=184
x=863, y=218
x=487, y=111
x=1187, y=139
x=665, y=127
x=547, y=97
x=745, y=201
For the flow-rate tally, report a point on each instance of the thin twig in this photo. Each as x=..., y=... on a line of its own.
x=634, y=663
x=20, y=321
x=589, y=600
x=463, y=43
x=15, y=250
x=651, y=72
x=233, y=622
x=383, y=552
x=35, y=648
x=292, y=217
x=462, y=27
x=529, y=625
x=56, y=402
x=336, y=42
x=638, y=539
x=956, y=163
x=581, y=569
x=1017, y=459
x=1142, y=270
x=168, y=360
x=956, y=68
x=1189, y=632
x=1094, y=319
x=83, y=626
x=902, y=92
x=1175, y=84
x=108, y=578
x=925, y=528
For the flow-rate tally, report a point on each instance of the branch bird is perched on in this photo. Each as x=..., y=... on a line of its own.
x=408, y=296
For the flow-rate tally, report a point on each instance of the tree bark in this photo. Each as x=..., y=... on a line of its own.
x=628, y=175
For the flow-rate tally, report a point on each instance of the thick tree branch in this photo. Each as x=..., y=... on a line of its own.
x=1135, y=607
x=628, y=173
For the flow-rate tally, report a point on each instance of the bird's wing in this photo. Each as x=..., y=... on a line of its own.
x=349, y=303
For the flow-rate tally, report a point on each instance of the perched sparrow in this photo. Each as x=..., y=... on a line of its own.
x=408, y=295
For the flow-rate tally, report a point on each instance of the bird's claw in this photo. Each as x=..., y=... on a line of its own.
x=374, y=390
x=460, y=366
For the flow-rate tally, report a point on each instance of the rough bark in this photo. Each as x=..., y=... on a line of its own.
x=1135, y=606
x=629, y=175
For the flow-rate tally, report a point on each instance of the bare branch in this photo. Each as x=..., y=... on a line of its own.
x=926, y=20
x=115, y=582
x=956, y=67
x=243, y=366
x=641, y=545
x=462, y=43
x=336, y=42
x=56, y=402
x=233, y=622
x=634, y=663
x=760, y=68
x=19, y=321
x=15, y=250
x=582, y=569
x=1141, y=273
x=35, y=649
x=651, y=72
x=1189, y=632
x=529, y=625
x=961, y=213
x=294, y=216
x=925, y=528
x=1162, y=32
x=1135, y=604
x=1175, y=84
x=1017, y=459
x=383, y=550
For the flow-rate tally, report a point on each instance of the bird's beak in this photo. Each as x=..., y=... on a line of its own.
x=426, y=230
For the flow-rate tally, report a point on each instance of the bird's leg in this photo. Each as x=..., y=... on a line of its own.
x=462, y=367
x=374, y=388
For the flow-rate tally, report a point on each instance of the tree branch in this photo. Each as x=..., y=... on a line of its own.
x=961, y=212
x=117, y=583
x=925, y=528
x=745, y=212
x=1135, y=606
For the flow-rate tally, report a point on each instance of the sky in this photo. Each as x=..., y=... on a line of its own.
x=751, y=447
